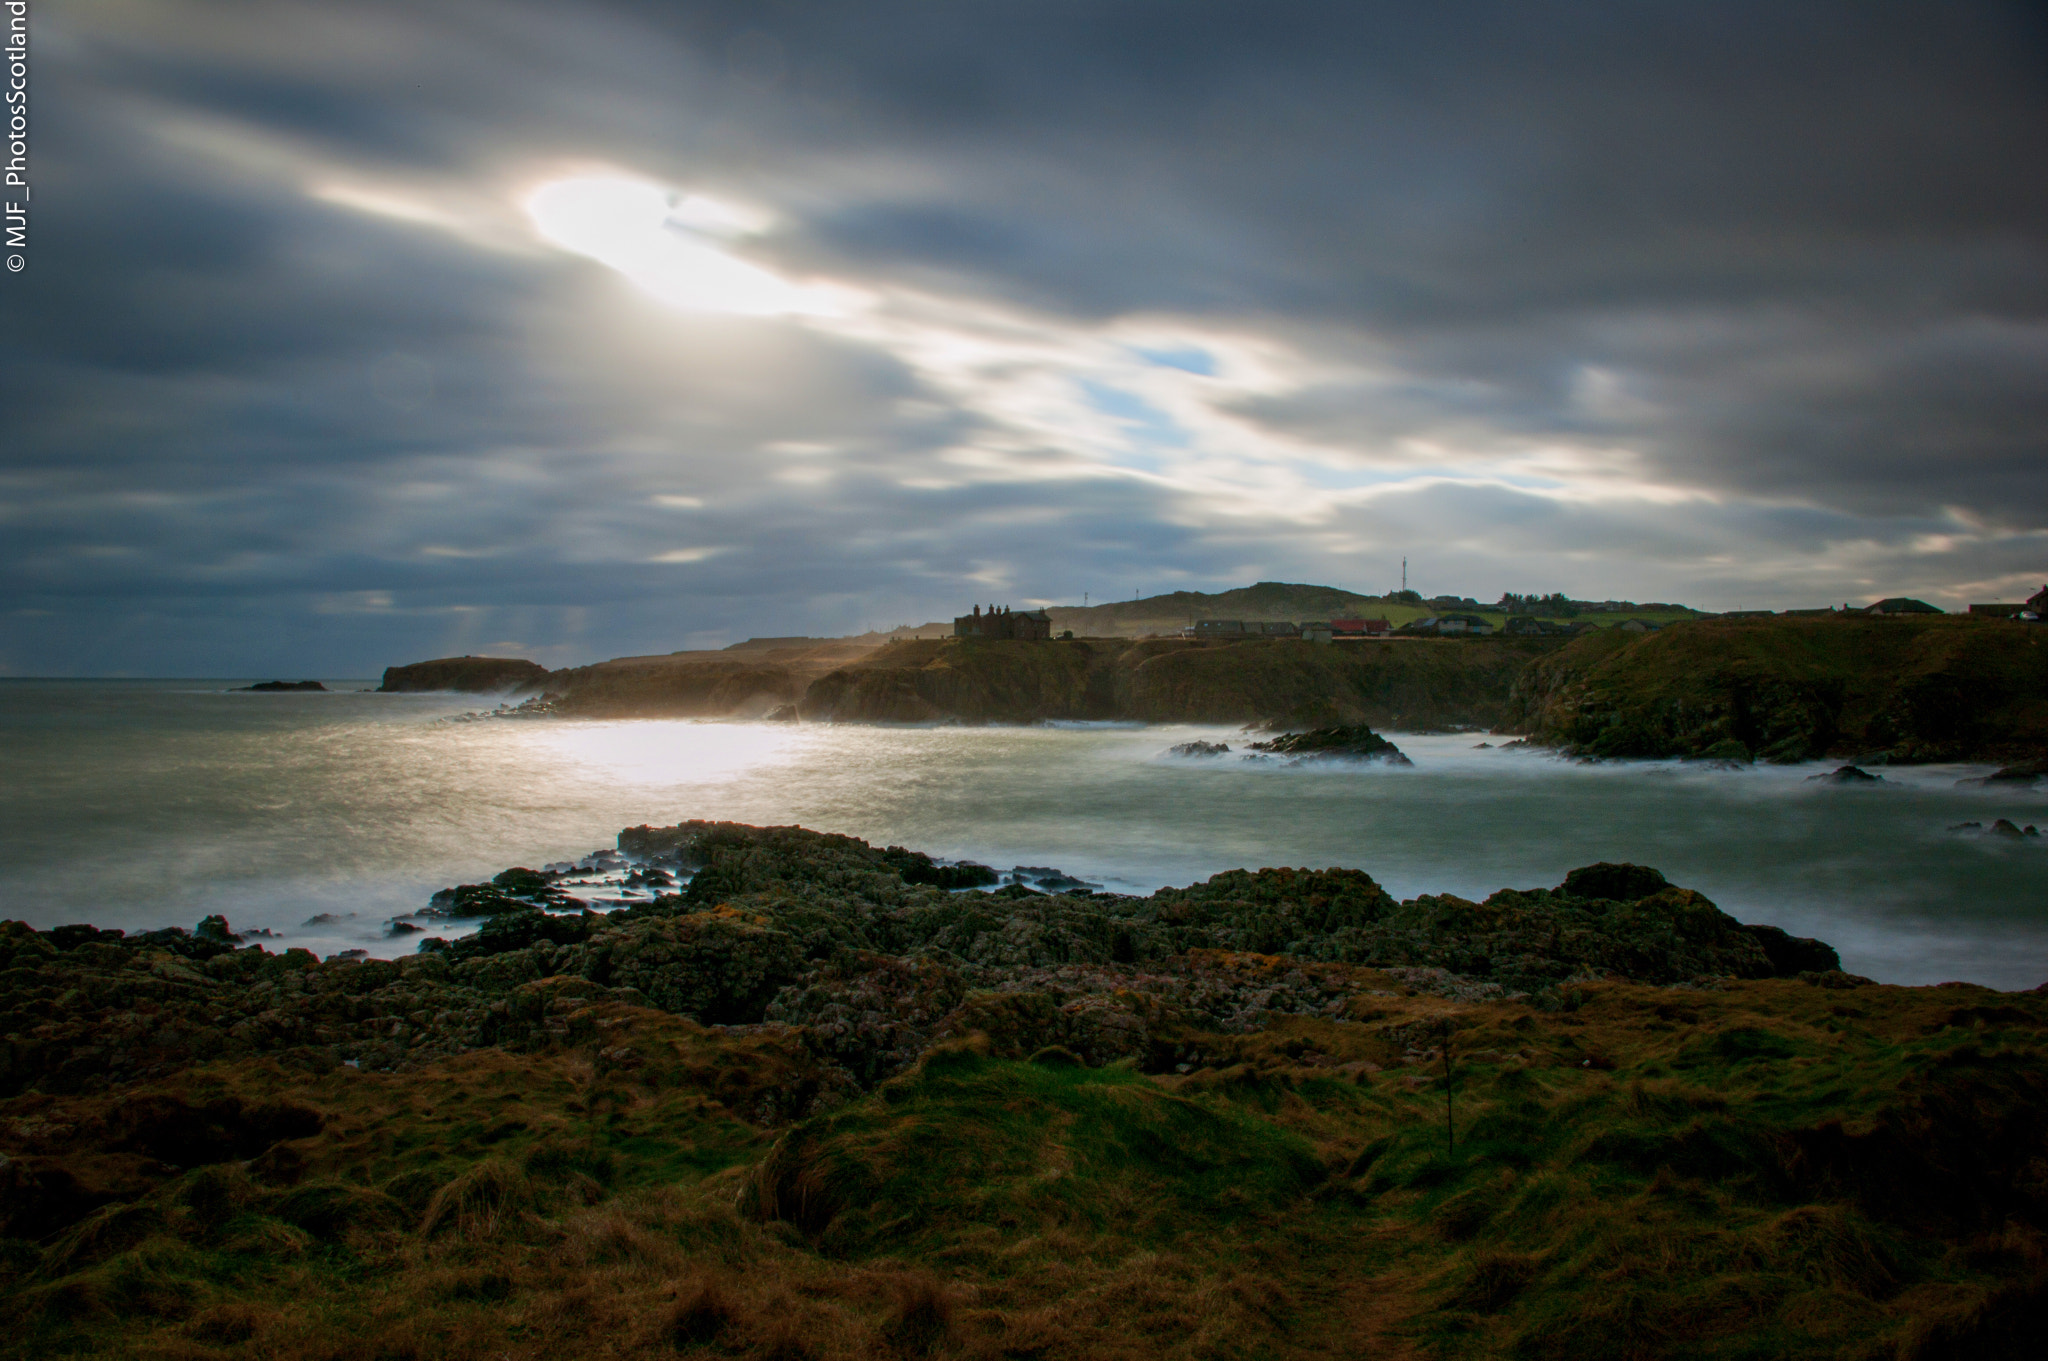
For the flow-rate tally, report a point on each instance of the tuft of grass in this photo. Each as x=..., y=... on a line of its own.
x=480, y=1201
x=970, y=1140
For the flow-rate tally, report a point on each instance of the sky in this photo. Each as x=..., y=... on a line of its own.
x=355, y=333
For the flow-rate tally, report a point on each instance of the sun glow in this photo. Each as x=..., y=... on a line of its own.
x=665, y=245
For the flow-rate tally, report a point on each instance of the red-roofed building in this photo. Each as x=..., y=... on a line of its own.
x=1360, y=628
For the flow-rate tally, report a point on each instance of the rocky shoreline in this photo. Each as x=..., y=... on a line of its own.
x=197, y=1135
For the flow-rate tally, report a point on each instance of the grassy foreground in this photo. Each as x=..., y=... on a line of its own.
x=1010, y=1125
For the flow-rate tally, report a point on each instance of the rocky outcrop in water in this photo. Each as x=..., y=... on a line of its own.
x=466, y=675
x=1849, y=775
x=1354, y=743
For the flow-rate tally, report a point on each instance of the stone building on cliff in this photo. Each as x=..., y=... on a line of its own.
x=1002, y=622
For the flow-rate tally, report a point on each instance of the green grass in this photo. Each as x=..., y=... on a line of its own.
x=1764, y=1169
x=967, y=1140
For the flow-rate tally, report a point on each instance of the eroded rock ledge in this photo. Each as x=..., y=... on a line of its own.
x=868, y=951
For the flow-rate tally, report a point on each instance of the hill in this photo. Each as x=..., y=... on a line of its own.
x=1913, y=688
x=1273, y=601
x=1268, y=601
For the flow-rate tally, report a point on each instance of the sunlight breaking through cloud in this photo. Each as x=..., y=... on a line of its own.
x=659, y=242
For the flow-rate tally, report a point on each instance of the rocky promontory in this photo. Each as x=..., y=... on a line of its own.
x=1869, y=689
x=467, y=675
x=824, y=1099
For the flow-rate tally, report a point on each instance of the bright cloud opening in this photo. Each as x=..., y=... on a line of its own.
x=658, y=241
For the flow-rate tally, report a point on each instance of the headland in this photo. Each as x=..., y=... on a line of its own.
x=1909, y=688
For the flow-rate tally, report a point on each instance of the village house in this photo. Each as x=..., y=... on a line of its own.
x=1527, y=626
x=1448, y=626
x=1002, y=622
x=1360, y=628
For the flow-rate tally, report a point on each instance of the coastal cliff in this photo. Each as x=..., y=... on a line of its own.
x=466, y=675
x=1915, y=689
x=752, y=682
x=810, y=1103
x=1423, y=683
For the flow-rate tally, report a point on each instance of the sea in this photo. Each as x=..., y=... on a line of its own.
x=320, y=818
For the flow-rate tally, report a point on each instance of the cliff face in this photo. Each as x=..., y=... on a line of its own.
x=469, y=675
x=1410, y=684
x=1417, y=683
x=741, y=684
x=1910, y=690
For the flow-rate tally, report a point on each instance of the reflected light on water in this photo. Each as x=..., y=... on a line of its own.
x=663, y=755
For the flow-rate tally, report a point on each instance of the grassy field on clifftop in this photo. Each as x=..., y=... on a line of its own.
x=1914, y=689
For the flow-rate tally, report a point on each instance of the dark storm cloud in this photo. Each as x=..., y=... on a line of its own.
x=1794, y=259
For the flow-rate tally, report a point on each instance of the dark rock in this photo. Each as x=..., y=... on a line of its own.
x=510, y=891
x=404, y=929
x=273, y=687
x=1618, y=883
x=785, y=713
x=66, y=937
x=215, y=928
x=2026, y=774
x=1846, y=775
x=1063, y=883
x=510, y=931
x=1199, y=749
x=918, y=868
x=1791, y=955
x=1354, y=743
x=2004, y=827
x=469, y=675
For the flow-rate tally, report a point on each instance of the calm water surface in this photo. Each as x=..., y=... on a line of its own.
x=143, y=804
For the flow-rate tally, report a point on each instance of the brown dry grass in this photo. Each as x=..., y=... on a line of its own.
x=1574, y=1225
